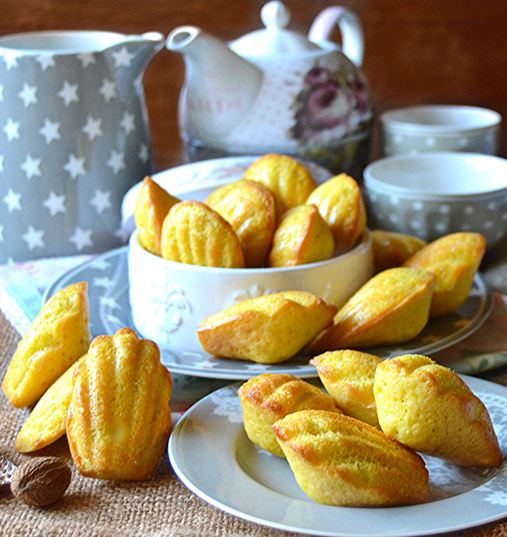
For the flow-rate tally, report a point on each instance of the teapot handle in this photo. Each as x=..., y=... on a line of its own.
x=350, y=28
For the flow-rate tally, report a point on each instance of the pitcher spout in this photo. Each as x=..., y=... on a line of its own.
x=220, y=86
x=135, y=51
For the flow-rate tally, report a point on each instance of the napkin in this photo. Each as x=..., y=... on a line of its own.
x=22, y=287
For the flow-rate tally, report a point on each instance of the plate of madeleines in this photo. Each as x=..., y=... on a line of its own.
x=401, y=446
x=421, y=297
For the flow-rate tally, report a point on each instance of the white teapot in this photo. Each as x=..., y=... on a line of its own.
x=275, y=90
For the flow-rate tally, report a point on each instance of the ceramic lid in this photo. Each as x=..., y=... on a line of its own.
x=274, y=40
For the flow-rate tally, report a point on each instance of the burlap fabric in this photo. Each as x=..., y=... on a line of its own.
x=161, y=507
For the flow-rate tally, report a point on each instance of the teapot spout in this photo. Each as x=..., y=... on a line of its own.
x=220, y=86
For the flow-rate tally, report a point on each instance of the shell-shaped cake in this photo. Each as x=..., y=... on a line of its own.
x=268, y=329
x=58, y=337
x=392, y=307
x=288, y=180
x=119, y=418
x=46, y=422
x=429, y=408
x=339, y=460
x=392, y=249
x=152, y=205
x=454, y=259
x=301, y=237
x=341, y=204
x=250, y=209
x=195, y=234
x=348, y=376
x=272, y=396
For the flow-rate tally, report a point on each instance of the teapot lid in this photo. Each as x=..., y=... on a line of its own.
x=274, y=40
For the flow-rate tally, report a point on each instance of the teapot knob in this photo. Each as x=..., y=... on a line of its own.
x=275, y=15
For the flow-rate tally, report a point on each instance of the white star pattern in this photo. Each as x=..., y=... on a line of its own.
x=81, y=238
x=33, y=238
x=93, y=128
x=31, y=167
x=46, y=60
x=86, y=58
x=122, y=233
x=122, y=57
x=116, y=161
x=11, y=128
x=75, y=166
x=100, y=264
x=109, y=302
x=55, y=204
x=108, y=90
x=101, y=201
x=50, y=149
x=27, y=95
x=50, y=131
x=104, y=282
x=12, y=199
x=11, y=58
x=143, y=153
x=127, y=122
x=69, y=93
x=138, y=82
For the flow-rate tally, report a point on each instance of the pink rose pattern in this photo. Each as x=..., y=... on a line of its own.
x=329, y=107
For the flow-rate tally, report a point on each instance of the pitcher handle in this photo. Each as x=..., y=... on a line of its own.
x=350, y=28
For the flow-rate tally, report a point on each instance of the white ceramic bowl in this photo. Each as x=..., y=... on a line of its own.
x=433, y=194
x=169, y=299
x=419, y=129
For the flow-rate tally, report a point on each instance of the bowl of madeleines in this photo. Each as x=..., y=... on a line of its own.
x=265, y=226
x=434, y=194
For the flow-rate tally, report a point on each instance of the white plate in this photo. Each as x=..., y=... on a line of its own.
x=211, y=454
x=107, y=276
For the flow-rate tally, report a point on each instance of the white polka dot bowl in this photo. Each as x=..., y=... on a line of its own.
x=432, y=194
x=419, y=129
x=169, y=299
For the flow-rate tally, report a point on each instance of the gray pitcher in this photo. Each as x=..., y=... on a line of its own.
x=74, y=137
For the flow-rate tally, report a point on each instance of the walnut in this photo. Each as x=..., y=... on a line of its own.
x=41, y=481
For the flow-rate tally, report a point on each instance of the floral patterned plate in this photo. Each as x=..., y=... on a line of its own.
x=110, y=310
x=211, y=454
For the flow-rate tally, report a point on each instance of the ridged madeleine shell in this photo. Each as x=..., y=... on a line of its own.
x=119, y=418
x=429, y=408
x=339, y=460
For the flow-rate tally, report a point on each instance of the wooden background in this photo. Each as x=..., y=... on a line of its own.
x=416, y=51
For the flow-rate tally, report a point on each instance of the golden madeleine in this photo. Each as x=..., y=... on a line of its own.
x=302, y=236
x=195, y=234
x=250, y=209
x=341, y=204
x=119, y=419
x=339, y=460
x=288, y=180
x=152, y=205
x=454, y=259
x=268, y=329
x=58, y=337
x=427, y=407
x=272, y=396
x=348, y=376
x=390, y=308
x=391, y=249
x=46, y=422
